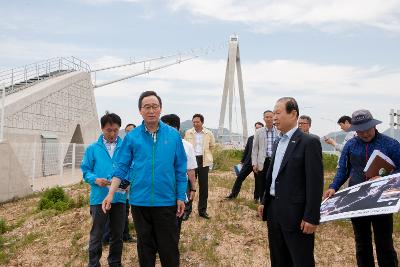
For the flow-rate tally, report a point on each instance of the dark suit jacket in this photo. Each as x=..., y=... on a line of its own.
x=299, y=184
x=246, y=159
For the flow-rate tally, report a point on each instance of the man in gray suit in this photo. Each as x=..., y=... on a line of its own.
x=264, y=139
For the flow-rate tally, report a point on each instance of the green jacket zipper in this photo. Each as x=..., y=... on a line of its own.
x=152, y=176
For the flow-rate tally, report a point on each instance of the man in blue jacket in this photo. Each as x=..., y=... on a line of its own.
x=154, y=152
x=353, y=159
x=97, y=166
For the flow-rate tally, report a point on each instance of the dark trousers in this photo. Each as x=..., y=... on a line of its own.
x=383, y=229
x=288, y=248
x=261, y=181
x=202, y=177
x=244, y=172
x=117, y=219
x=188, y=205
x=125, y=235
x=157, y=231
x=189, y=187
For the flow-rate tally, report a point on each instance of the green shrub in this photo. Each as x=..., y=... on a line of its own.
x=61, y=205
x=55, y=194
x=45, y=204
x=225, y=159
x=3, y=226
x=55, y=198
x=330, y=162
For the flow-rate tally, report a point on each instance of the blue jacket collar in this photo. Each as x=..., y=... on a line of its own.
x=161, y=126
x=100, y=141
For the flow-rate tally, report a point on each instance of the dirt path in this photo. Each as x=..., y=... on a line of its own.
x=233, y=237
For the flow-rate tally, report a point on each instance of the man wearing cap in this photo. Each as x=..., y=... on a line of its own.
x=352, y=161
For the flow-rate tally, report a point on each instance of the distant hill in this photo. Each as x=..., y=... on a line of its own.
x=396, y=133
x=188, y=124
x=341, y=135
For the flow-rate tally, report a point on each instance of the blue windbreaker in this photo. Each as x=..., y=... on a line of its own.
x=355, y=155
x=97, y=163
x=158, y=167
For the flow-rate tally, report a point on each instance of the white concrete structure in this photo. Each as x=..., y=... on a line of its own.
x=232, y=64
x=38, y=118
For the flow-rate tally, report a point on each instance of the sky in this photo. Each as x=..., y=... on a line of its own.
x=333, y=56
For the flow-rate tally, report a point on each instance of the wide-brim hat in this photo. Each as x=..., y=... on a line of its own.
x=362, y=120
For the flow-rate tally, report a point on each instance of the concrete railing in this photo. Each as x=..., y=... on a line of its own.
x=16, y=79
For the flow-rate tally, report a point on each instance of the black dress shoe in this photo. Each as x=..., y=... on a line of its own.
x=185, y=216
x=204, y=215
x=230, y=196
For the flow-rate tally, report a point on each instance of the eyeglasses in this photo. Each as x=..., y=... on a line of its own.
x=149, y=107
x=301, y=123
x=108, y=130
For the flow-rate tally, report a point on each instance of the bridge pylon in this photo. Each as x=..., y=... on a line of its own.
x=233, y=66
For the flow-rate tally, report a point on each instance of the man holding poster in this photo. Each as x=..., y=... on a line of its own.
x=352, y=161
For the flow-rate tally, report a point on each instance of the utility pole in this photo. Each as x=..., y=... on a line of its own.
x=398, y=119
x=392, y=114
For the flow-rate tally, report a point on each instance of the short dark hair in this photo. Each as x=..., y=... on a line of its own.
x=267, y=111
x=146, y=94
x=130, y=124
x=172, y=120
x=258, y=123
x=110, y=118
x=343, y=119
x=201, y=117
x=307, y=118
x=290, y=104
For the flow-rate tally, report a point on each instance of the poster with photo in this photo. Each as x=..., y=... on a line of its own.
x=380, y=196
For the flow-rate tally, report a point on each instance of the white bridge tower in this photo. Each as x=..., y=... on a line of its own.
x=232, y=65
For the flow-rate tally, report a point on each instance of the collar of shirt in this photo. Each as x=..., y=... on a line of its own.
x=289, y=134
x=270, y=130
x=201, y=132
x=105, y=141
x=153, y=135
x=110, y=146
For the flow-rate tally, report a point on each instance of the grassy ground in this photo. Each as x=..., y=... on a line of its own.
x=233, y=237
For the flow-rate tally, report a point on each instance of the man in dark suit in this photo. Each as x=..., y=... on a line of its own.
x=291, y=203
x=247, y=167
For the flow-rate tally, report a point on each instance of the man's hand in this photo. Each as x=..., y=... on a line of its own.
x=106, y=205
x=102, y=182
x=255, y=170
x=330, y=141
x=180, y=208
x=260, y=211
x=307, y=228
x=192, y=195
x=328, y=193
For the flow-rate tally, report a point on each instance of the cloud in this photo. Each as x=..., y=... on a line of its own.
x=327, y=91
x=19, y=50
x=267, y=15
x=101, y=2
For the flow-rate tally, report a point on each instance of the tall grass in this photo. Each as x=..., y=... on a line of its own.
x=225, y=159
